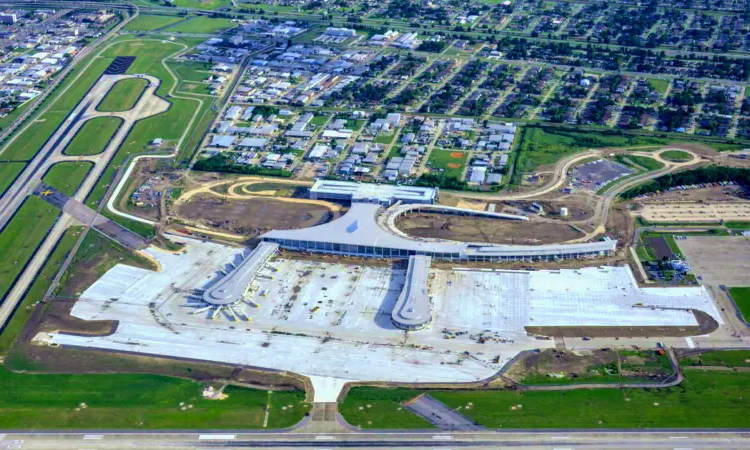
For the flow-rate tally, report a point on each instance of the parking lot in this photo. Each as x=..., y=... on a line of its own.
x=596, y=174
x=718, y=259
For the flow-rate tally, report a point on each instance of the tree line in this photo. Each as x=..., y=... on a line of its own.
x=711, y=174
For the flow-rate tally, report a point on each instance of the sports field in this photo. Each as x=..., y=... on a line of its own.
x=123, y=95
x=93, y=136
x=150, y=23
x=452, y=162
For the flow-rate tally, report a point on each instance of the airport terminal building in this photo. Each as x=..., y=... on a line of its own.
x=358, y=233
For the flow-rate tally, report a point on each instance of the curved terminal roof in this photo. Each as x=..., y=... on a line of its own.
x=231, y=288
x=412, y=310
x=359, y=227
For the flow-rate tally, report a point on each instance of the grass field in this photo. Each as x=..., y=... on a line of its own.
x=384, y=408
x=452, y=162
x=726, y=358
x=202, y=4
x=38, y=288
x=741, y=297
x=21, y=236
x=54, y=401
x=193, y=75
x=28, y=143
x=123, y=95
x=706, y=400
x=200, y=24
x=93, y=136
x=96, y=255
x=67, y=176
x=676, y=156
x=650, y=164
x=168, y=126
x=384, y=139
x=8, y=173
x=545, y=146
x=658, y=85
x=703, y=400
x=150, y=23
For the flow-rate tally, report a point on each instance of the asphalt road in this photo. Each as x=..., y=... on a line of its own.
x=543, y=439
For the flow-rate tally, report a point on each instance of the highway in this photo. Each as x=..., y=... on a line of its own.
x=531, y=439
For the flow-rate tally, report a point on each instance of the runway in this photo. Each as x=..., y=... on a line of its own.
x=148, y=105
x=543, y=439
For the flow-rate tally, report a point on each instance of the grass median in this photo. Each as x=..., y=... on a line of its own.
x=123, y=95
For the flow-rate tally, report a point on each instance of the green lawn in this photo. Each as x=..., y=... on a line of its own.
x=646, y=162
x=193, y=76
x=737, y=225
x=727, y=358
x=201, y=24
x=383, y=138
x=93, y=136
x=28, y=143
x=544, y=146
x=384, y=411
x=676, y=156
x=21, y=236
x=114, y=401
x=452, y=162
x=67, y=176
x=741, y=297
x=150, y=23
x=703, y=400
x=715, y=399
x=202, y=4
x=38, y=288
x=8, y=173
x=123, y=95
x=13, y=115
x=319, y=121
x=169, y=125
x=658, y=85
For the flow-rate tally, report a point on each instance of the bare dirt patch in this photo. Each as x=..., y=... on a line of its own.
x=569, y=363
x=479, y=229
x=253, y=216
x=620, y=225
x=457, y=154
x=454, y=166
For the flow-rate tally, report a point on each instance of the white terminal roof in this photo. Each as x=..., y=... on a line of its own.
x=359, y=227
x=383, y=192
x=231, y=288
x=412, y=308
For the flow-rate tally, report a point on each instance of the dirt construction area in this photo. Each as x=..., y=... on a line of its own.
x=695, y=211
x=252, y=216
x=479, y=229
x=718, y=260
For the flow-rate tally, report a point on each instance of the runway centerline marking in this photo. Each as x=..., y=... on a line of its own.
x=442, y=438
x=323, y=438
x=93, y=436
